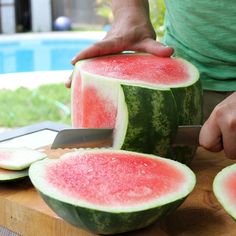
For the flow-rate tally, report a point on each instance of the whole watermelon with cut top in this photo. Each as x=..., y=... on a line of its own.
x=142, y=96
x=112, y=191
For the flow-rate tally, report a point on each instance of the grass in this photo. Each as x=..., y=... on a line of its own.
x=24, y=106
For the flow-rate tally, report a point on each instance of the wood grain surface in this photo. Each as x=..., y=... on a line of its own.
x=23, y=211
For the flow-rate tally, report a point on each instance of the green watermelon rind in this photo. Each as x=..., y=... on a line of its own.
x=100, y=222
x=108, y=220
x=154, y=131
x=190, y=109
x=220, y=195
x=13, y=175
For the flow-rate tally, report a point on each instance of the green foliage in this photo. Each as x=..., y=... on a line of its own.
x=24, y=107
x=157, y=12
x=104, y=9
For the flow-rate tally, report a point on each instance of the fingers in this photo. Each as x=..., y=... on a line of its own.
x=219, y=131
x=116, y=45
x=210, y=136
x=229, y=140
x=228, y=129
x=68, y=82
x=104, y=47
x=152, y=46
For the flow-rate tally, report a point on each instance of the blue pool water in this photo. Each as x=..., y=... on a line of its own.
x=39, y=54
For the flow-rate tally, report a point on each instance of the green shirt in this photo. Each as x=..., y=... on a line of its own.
x=204, y=32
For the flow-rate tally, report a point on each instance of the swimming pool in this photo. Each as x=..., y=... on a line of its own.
x=42, y=52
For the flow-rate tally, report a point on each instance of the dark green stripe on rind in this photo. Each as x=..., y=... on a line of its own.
x=190, y=111
x=101, y=222
x=189, y=103
x=152, y=120
x=164, y=121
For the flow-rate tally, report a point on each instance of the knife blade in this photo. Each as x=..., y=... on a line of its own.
x=83, y=138
x=187, y=135
x=91, y=138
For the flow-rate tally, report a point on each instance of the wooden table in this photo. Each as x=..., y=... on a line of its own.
x=23, y=211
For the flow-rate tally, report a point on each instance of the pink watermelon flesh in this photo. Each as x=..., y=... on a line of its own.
x=144, y=68
x=5, y=155
x=89, y=101
x=229, y=187
x=115, y=179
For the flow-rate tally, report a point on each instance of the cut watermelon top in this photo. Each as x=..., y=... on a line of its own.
x=144, y=68
x=114, y=179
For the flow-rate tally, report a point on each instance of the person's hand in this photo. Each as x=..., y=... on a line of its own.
x=219, y=131
x=131, y=30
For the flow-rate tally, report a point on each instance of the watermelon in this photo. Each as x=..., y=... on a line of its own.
x=109, y=191
x=142, y=96
x=224, y=188
x=9, y=175
x=18, y=158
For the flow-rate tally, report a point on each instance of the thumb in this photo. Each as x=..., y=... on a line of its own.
x=210, y=136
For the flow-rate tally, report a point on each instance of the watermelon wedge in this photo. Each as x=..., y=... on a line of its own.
x=224, y=188
x=143, y=97
x=111, y=191
x=9, y=175
x=18, y=158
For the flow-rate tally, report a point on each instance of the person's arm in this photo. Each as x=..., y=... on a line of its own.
x=219, y=131
x=131, y=30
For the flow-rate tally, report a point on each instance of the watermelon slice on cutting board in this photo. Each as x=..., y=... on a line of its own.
x=9, y=175
x=18, y=158
x=111, y=191
x=224, y=188
x=142, y=96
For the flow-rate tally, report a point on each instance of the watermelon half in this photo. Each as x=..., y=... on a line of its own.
x=18, y=158
x=224, y=187
x=111, y=191
x=142, y=96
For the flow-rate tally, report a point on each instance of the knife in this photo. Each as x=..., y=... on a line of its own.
x=187, y=135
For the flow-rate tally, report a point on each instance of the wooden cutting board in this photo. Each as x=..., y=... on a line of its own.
x=23, y=211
